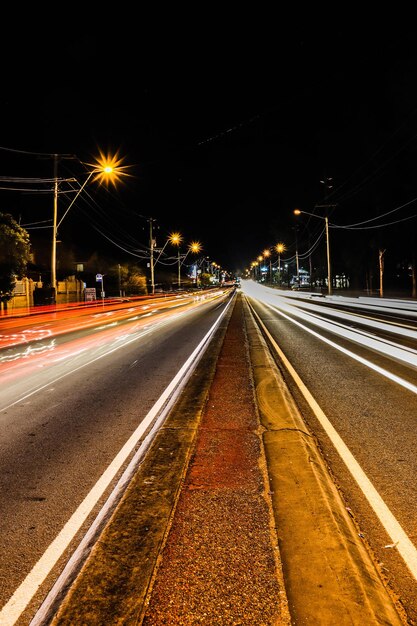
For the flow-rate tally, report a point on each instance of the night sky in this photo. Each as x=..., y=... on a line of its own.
x=226, y=125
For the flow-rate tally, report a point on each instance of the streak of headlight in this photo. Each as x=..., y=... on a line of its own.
x=153, y=325
x=391, y=327
x=29, y=352
x=106, y=326
x=352, y=355
x=58, y=378
x=388, y=306
x=69, y=355
x=385, y=347
x=25, y=336
x=104, y=314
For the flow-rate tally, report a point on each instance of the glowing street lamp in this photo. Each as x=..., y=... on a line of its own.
x=326, y=219
x=280, y=248
x=268, y=254
x=106, y=169
x=260, y=259
x=176, y=239
x=195, y=247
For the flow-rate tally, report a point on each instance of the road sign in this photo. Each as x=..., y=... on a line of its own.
x=99, y=277
x=90, y=294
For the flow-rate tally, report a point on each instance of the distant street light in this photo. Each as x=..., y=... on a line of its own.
x=194, y=247
x=268, y=254
x=326, y=219
x=260, y=259
x=106, y=169
x=280, y=248
x=176, y=239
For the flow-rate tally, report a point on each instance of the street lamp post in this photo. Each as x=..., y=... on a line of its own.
x=326, y=220
x=260, y=259
x=151, y=220
x=280, y=248
x=103, y=293
x=120, y=280
x=176, y=239
x=107, y=168
x=195, y=248
x=297, y=266
x=266, y=255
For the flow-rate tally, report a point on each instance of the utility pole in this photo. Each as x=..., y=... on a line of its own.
x=296, y=258
x=327, y=182
x=54, y=231
x=152, y=242
x=381, y=272
x=329, y=275
x=326, y=219
x=56, y=158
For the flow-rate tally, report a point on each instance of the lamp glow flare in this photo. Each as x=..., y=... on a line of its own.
x=326, y=219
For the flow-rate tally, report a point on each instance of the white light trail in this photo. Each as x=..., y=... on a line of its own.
x=383, y=346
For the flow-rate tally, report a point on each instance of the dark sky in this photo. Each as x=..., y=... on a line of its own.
x=227, y=124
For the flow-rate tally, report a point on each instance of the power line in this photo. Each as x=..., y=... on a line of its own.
x=42, y=154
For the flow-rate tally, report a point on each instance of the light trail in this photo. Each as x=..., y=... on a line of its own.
x=383, y=346
x=390, y=327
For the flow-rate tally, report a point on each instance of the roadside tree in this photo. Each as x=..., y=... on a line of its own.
x=14, y=256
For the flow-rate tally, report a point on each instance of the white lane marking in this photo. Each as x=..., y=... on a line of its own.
x=18, y=602
x=394, y=529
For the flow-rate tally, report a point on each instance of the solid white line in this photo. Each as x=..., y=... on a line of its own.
x=398, y=536
x=18, y=602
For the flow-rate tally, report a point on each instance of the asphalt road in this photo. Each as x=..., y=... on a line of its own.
x=67, y=411
x=65, y=414
x=369, y=398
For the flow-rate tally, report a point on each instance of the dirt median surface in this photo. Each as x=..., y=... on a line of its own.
x=232, y=518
